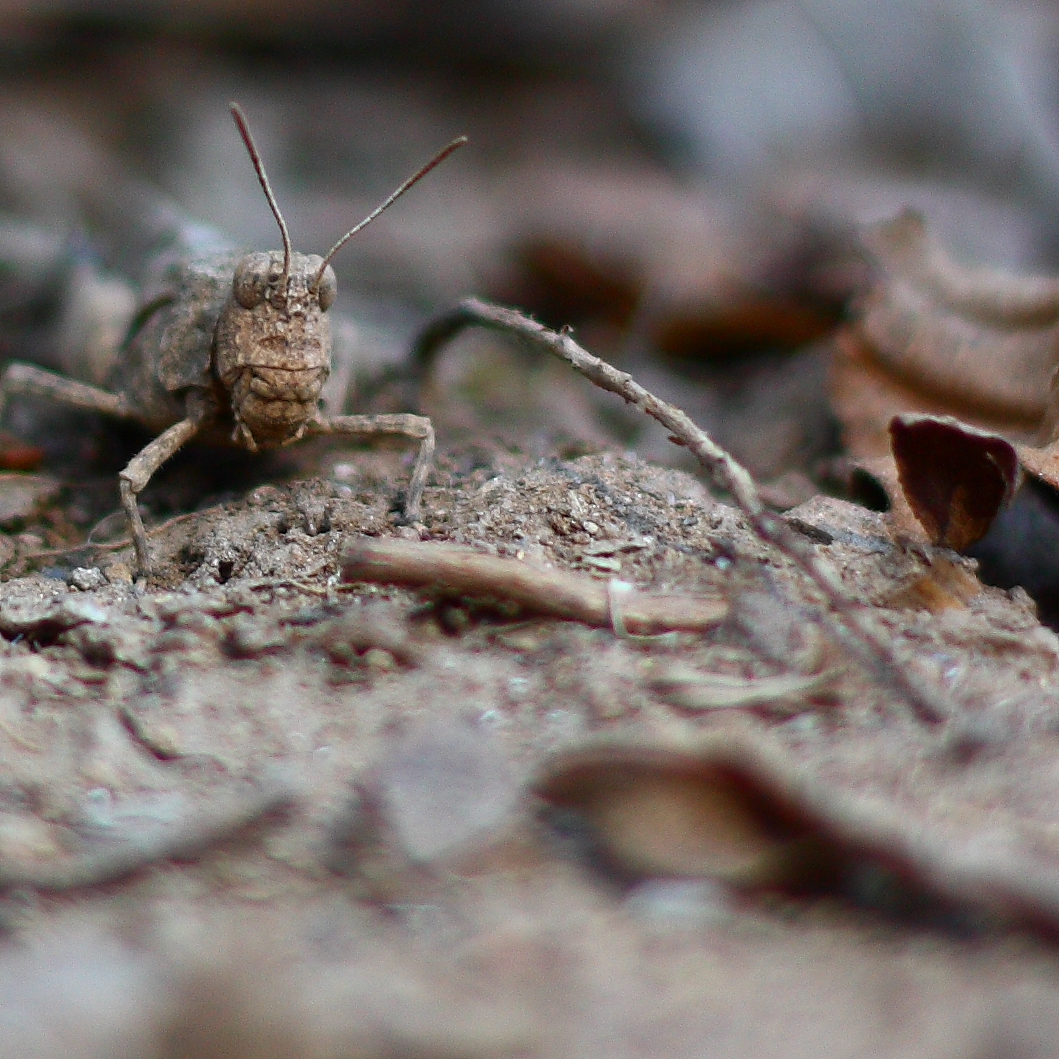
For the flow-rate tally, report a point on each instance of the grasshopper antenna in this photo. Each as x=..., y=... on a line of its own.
x=266, y=187
x=413, y=179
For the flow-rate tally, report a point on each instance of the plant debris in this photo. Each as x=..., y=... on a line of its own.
x=536, y=589
x=739, y=814
x=956, y=479
x=927, y=341
x=855, y=625
x=692, y=689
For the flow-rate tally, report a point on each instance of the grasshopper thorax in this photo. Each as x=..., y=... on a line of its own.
x=273, y=345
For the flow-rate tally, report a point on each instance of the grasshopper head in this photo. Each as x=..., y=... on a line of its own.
x=273, y=346
x=273, y=341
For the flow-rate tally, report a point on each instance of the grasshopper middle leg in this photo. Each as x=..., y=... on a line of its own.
x=417, y=428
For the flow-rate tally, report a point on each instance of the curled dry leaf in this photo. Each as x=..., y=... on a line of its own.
x=934, y=339
x=946, y=329
x=955, y=478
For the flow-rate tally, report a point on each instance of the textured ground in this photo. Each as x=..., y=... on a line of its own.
x=457, y=926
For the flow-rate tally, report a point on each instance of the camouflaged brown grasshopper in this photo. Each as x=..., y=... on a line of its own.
x=237, y=345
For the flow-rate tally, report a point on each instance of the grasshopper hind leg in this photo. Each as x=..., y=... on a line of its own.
x=28, y=380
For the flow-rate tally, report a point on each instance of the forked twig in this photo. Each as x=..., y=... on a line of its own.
x=539, y=589
x=855, y=626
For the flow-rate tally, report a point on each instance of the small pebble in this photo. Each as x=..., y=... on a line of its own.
x=118, y=573
x=677, y=903
x=804, y=724
x=454, y=620
x=344, y=472
x=601, y=562
x=519, y=639
x=85, y=578
x=519, y=688
x=378, y=659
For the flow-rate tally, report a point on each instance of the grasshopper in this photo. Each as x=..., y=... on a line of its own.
x=237, y=347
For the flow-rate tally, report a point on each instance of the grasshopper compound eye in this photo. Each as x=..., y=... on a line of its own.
x=252, y=280
x=327, y=288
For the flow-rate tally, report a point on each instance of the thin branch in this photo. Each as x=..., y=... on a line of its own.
x=539, y=589
x=856, y=627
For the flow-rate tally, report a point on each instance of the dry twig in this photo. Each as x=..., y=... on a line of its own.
x=557, y=593
x=855, y=627
x=696, y=689
x=209, y=828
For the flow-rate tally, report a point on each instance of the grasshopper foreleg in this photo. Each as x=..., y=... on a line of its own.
x=141, y=468
x=417, y=428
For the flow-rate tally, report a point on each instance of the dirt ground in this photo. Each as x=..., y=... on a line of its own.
x=461, y=925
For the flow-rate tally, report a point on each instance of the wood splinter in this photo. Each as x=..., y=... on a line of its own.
x=537, y=589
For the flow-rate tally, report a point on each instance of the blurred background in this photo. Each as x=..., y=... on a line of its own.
x=679, y=180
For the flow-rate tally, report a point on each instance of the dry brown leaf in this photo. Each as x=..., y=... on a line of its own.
x=693, y=276
x=946, y=329
x=955, y=478
x=945, y=585
x=934, y=340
